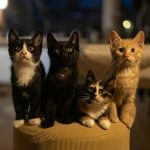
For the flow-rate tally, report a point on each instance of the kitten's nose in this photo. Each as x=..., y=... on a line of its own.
x=23, y=52
x=126, y=55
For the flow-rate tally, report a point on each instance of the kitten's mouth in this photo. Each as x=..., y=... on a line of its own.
x=97, y=100
x=25, y=58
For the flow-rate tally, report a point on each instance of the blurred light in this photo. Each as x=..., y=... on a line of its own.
x=126, y=24
x=3, y=4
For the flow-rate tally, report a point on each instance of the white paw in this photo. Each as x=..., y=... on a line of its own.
x=18, y=123
x=105, y=124
x=88, y=122
x=35, y=121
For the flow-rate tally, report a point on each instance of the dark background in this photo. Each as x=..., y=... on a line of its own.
x=86, y=16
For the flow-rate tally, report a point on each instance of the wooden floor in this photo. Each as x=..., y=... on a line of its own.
x=140, y=133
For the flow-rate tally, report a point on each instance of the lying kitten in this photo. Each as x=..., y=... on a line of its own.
x=27, y=76
x=127, y=55
x=94, y=100
x=61, y=80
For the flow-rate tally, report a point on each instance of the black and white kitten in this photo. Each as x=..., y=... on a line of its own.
x=61, y=80
x=93, y=101
x=27, y=77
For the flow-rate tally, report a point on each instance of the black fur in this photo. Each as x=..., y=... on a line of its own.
x=26, y=107
x=61, y=80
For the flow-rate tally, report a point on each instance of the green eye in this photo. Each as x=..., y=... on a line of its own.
x=69, y=50
x=31, y=48
x=18, y=48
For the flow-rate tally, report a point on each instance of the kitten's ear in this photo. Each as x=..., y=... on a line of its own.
x=114, y=38
x=90, y=78
x=12, y=36
x=38, y=38
x=139, y=38
x=50, y=39
x=110, y=84
x=74, y=39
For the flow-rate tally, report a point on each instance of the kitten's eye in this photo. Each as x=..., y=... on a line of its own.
x=91, y=89
x=121, y=49
x=31, y=48
x=18, y=48
x=69, y=50
x=105, y=94
x=57, y=50
x=132, y=50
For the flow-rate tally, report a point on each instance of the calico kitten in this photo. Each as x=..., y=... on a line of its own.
x=127, y=55
x=27, y=76
x=94, y=100
x=61, y=80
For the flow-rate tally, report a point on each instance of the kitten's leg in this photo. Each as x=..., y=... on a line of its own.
x=113, y=112
x=104, y=122
x=128, y=112
x=49, y=114
x=66, y=112
x=20, y=113
x=87, y=121
x=34, y=113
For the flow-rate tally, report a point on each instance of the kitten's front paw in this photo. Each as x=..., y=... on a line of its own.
x=88, y=122
x=47, y=124
x=18, y=123
x=127, y=120
x=66, y=121
x=105, y=124
x=34, y=122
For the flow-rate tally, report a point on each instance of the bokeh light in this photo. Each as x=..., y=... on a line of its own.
x=126, y=24
x=3, y=4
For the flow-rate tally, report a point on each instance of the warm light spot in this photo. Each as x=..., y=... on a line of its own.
x=126, y=24
x=3, y=4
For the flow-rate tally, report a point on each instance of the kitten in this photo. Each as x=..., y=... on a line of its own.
x=127, y=55
x=61, y=80
x=93, y=101
x=27, y=76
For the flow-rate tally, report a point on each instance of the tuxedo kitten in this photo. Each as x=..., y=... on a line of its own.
x=93, y=101
x=27, y=76
x=61, y=80
x=127, y=56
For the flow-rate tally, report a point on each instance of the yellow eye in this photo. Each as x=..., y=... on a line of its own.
x=31, y=48
x=69, y=50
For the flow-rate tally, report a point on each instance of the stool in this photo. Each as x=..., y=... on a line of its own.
x=71, y=137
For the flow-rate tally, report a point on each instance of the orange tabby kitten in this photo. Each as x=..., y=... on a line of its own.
x=127, y=54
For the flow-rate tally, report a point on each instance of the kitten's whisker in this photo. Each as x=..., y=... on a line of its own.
x=82, y=100
x=84, y=92
x=83, y=97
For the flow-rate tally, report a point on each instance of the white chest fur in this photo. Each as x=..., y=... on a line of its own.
x=24, y=73
x=96, y=114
